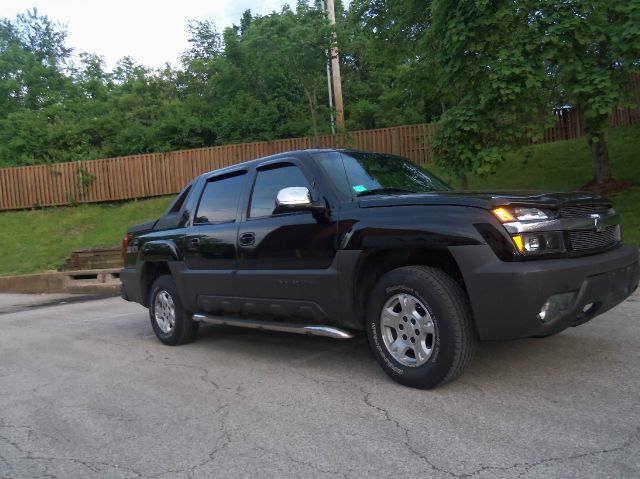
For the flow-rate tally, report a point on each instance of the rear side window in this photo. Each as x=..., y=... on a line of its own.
x=219, y=201
x=177, y=204
x=269, y=183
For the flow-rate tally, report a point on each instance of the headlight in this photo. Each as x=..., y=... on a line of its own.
x=505, y=215
x=535, y=242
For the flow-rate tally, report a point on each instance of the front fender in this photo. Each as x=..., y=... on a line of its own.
x=400, y=227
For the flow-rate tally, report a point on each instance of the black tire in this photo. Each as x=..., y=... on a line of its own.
x=184, y=328
x=452, y=340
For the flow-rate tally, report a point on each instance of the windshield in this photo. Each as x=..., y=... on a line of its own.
x=363, y=174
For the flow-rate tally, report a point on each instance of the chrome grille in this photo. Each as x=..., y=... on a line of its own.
x=592, y=239
x=582, y=210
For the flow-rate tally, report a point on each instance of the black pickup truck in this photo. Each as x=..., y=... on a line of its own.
x=330, y=242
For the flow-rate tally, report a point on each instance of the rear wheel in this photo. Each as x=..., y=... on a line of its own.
x=171, y=323
x=419, y=326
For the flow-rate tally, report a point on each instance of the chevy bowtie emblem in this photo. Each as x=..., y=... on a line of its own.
x=598, y=223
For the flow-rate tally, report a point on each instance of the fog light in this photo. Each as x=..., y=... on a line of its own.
x=555, y=306
x=538, y=243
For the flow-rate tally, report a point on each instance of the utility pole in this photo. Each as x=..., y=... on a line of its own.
x=335, y=67
x=333, y=121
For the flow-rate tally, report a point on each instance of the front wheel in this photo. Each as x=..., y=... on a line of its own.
x=420, y=327
x=171, y=323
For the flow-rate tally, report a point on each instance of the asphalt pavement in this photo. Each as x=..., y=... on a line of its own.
x=86, y=391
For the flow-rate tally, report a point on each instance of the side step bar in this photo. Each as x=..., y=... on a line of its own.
x=310, y=330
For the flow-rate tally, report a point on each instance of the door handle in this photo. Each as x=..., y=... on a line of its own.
x=247, y=239
x=193, y=243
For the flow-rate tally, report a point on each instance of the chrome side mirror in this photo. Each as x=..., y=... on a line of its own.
x=296, y=198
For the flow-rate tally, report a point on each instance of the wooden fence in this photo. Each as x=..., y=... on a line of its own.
x=142, y=176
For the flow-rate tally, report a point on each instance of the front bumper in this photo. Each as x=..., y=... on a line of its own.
x=507, y=296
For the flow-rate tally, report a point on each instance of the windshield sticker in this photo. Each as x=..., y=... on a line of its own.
x=359, y=188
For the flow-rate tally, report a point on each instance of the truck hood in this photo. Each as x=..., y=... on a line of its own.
x=484, y=199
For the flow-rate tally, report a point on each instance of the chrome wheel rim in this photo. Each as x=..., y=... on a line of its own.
x=408, y=330
x=164, y=312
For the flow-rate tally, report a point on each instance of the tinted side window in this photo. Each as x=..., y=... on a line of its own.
x=268, y=183
x=219, y=201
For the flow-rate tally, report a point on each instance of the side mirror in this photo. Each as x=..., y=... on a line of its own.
x=296, y=198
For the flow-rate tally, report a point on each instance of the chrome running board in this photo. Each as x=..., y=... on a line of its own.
x=296, y=328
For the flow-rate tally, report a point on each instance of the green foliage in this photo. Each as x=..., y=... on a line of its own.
x=33, y=90
x=591, y=47
x=260, y=81
x=303, y=41
x=487, y=60
x=270, y=77
x=505, y=62
x=387, y=71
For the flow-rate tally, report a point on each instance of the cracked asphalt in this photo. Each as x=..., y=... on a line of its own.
x=87, y=391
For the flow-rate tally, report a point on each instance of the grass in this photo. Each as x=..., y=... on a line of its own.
x=40, y=240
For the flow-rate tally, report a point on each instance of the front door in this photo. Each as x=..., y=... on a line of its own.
x=285, y=259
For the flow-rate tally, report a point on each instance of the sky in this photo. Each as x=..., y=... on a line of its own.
x=151, y=32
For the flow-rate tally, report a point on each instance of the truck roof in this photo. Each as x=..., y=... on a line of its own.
x=275, y=156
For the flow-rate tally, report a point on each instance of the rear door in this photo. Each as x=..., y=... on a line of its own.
x=210, y=251
x=285, y=259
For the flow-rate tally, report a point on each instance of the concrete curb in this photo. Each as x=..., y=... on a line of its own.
x=93, y=281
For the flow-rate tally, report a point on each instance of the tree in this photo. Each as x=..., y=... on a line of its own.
x=591, y=47
x=387, y=63
x=494, y=77
x=34, y=90
x=32, y=55
x=507, y=63
x=204, y=39
x=264, y=80
x=292, y=45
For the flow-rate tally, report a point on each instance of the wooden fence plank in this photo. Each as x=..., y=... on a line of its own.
x=3, y=188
